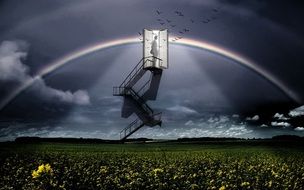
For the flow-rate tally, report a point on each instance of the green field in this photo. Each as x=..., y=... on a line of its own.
x=151, y=166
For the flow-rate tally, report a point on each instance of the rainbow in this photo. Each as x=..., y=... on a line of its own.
x=133, y=40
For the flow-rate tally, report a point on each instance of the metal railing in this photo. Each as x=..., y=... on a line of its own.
x=141, y=101
x=139, y=66
x=120, y=91
x=137, y=124
x=123, y=91
x=151, y=59
x=131, y=128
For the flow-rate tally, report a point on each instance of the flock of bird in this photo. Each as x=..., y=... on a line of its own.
x=174, y=27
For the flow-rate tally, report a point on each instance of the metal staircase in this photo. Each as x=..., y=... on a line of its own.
x=137, y=72
x=128, y=91
x=137, y=124
x=145, y=113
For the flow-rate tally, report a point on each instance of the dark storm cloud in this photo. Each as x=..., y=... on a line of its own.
x=291, y=12
x=11, y=55
x=13, y=70
x=273, y=26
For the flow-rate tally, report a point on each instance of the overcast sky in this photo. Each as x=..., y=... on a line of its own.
x=201, y=94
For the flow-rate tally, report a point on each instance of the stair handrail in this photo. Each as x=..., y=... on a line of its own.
x=130, y=76
x=129, y=128
x=137, y=97
x=117, y=90
x=147, y=58
x=130, y=125
x=141, y=100
x=127, y=131
x=136, y=69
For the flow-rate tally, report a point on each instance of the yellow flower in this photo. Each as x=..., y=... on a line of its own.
x=103, y=169
x=245, y=184
x=158, y=170
x=42, y=169
x=222, y=188
x=35, y=174
x=48, y=168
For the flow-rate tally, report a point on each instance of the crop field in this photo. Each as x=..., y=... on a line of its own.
x=150, y=166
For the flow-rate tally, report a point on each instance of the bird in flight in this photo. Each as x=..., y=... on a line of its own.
x=186, y=30
x=139, y=33
x=158, y=12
